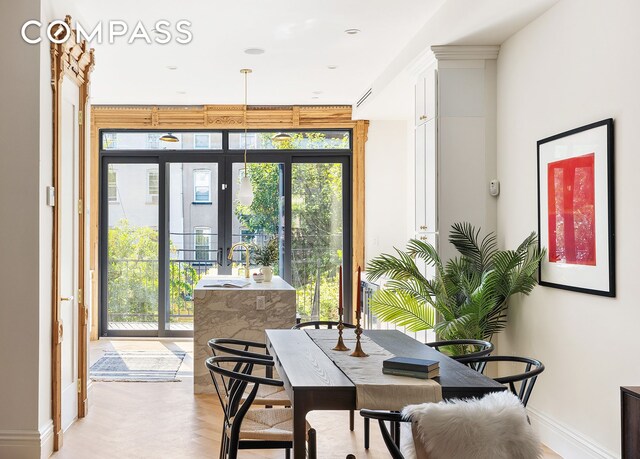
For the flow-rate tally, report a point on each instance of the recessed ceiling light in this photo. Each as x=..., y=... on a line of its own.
x=332, y=67
x=315, y=97
x=172, y=67
x=316, y=92
x=181, y=92
x=254, y=51
x=352, y=31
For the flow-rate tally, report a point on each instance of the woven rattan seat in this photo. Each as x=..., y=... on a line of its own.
x=275, y=424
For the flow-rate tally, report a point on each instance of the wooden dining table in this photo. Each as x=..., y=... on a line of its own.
x=314, y=382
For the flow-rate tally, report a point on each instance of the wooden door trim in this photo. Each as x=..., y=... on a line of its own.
x=74, y=59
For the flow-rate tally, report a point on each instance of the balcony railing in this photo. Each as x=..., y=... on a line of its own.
x=133, y=283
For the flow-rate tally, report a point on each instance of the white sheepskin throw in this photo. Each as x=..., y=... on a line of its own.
x=494, y=427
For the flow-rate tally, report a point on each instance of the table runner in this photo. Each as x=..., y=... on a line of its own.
x=374, y=389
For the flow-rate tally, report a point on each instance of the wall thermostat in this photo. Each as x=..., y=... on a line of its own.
x=494, y=187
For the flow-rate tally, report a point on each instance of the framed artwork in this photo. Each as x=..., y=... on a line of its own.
x=576, y=209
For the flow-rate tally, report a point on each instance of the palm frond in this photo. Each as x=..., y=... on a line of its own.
x=401, y=266
x=402, y=309
x=465, y=239
x=426, y=252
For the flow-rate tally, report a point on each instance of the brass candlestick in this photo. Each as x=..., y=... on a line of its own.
x=340, y=346
x=358, y=352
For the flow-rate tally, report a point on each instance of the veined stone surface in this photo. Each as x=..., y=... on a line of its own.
x=233, y=313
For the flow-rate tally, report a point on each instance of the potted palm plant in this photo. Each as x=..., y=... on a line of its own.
x=266, y=256
x=469, y=295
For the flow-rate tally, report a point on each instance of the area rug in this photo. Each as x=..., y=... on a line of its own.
x=137, y=366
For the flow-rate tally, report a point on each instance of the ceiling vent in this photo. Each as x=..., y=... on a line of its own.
x=364, y=97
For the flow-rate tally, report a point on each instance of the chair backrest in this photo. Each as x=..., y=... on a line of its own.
x=239, y=348
x=317, y=324
x=527, y=379
x=464, y=348
x=234, y=405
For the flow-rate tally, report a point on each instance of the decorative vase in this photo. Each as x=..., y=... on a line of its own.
x=268, y=273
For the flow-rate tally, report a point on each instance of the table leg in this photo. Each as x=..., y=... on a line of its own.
x=300, y=411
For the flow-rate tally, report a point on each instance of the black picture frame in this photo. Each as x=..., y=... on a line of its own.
x=597, y=276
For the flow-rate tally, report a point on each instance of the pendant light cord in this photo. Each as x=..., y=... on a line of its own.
x=245, y=123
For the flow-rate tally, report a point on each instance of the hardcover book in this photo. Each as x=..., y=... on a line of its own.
x=412, y=374
x=410, y=364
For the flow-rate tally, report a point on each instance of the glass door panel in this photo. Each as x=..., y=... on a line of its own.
x=261, y=221
x=132, y=247
x=194, y=242
x=316, y=237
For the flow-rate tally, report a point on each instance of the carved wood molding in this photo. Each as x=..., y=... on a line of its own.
x=222, y=117
x=75, y=60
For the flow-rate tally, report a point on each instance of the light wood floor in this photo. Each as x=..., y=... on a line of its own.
x=165, y=420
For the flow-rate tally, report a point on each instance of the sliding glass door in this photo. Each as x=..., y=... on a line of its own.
x=170, y=215
x=194, y=235
x=131, y=252
x=317, y=230
x=256, y=224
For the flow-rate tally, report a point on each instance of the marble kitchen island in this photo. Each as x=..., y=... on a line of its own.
x=240, y=313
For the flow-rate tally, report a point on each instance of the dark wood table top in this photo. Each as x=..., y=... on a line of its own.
x=303, y=366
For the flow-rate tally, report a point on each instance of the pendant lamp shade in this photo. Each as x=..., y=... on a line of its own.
x=169, y=138
x=281, y=137
x=245, y=193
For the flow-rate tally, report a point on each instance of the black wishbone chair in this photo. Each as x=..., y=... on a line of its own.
x=527, y=379
x=501, y=410
x=258, y=428
x=391, y=438
x=470, y=347
x=479, y=348
x=267, y=395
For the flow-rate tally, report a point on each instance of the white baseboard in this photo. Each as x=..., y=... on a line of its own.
x=27, y=444
x=565, y=441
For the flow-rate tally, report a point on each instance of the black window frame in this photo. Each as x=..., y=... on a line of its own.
x=225, y=158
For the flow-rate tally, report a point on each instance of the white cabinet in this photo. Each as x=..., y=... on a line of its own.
x=426, y=96
x=426, y=177
x=455, y=143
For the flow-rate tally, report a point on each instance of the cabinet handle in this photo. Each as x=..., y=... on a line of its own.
x=423, y=227
x=423, y=238
x=423, y=117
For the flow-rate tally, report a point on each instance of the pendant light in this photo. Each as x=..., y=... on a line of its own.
x=169, y=138
x=281, y=137
x=245, y=193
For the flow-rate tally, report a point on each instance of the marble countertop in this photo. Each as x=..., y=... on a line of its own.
x=277, y=283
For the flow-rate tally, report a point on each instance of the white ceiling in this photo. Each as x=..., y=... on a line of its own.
x=301, y=39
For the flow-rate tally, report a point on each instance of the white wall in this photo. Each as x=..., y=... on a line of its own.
x=21, y=242
x=576, y=64
x=386, y=180
x=25, y=236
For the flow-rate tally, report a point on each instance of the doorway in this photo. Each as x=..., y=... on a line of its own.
x=170, y=215
x=69, y=251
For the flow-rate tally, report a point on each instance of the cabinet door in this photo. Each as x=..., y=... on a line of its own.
x=431, y=177
x=430, y=94
x=420, y=179
x=420, y=100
